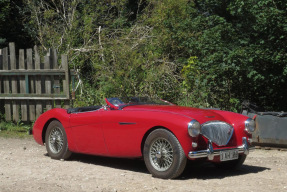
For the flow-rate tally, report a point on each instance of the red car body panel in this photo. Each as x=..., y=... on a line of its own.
x=124, y=130
x=121, y=132
x=87, y=132
x=42, y=122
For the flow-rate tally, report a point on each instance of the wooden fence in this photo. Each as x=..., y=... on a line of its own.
x=28, y=87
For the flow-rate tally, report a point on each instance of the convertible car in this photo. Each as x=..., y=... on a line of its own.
x=163, y=134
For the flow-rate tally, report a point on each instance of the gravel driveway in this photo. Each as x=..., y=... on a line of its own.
x=25, y=166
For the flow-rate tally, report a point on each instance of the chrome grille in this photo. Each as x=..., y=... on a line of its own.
x=217, y=131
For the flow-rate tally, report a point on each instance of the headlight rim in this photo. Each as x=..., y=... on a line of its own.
x=248, y=127
x=190, y=128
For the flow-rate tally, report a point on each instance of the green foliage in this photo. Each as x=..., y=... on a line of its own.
x=12, y=27
x=4, y=12
x=239, y=48
x=12, y=127
x=203, y=53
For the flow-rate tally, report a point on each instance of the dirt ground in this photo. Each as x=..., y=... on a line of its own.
x=25, y=166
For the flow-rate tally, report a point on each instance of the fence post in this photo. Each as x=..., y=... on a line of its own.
x=38, y=82
x=1, y=80
x=66, y=86
x=48, y=80
x=14, y=81
x=32, y=84
x=56, y=79
x=6, y=85
x=1, y=67
x=24, y=114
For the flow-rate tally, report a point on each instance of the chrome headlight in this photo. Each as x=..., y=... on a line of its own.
x=193, y=128
x=250, y=125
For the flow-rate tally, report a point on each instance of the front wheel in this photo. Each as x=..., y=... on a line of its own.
x=163, y=155
x=56, y=141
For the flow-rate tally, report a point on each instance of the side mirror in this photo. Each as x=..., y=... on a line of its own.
x=106, y=107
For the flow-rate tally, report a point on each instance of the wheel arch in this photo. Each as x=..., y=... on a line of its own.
x=151, y=130
x=46, y=126
x=177, y=156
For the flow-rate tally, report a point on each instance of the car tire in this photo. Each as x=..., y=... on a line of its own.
x=231, y=165
x=56, y=141
x=163, y=155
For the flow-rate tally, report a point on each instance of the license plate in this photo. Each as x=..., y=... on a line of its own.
x=228, y=155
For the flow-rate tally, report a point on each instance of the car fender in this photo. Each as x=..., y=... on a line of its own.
x=41, y=124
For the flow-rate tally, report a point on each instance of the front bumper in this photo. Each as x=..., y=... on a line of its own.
x=210, y=153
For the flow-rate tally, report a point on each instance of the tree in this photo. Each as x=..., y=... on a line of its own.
x=229, y=50
x=12, y=27
x=204, y=53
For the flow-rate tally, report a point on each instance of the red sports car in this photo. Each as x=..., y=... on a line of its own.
x=165, y=135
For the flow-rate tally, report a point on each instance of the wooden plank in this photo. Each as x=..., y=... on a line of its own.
x=33, y=98
x=27, y=96
x=33, y=72
x=38, y=82
x=14, y=82
x=37, y=58
x=6, y=85
x=48, y=83
x=39, y=108
x=13, y=66
x=54, y=59
x=24, y=109
x=66, y=104
x=5, y=58
x=1, y=67
x=1, y=81
x=12, y=52
x=32, y=109
x=8, y=109
x=65, y=66
x=30, y=66
x=56, y=86
x=21, y=59
x=66, y=87
x=1, y=60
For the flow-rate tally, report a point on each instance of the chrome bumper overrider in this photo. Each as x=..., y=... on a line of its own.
x=210, y=153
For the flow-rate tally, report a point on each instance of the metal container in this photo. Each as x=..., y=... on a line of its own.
x=271, y=129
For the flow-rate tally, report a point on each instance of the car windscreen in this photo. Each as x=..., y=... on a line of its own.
x=129, y=101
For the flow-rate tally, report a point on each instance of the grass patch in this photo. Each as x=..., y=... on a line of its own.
x=13, y=130
x=14, y=134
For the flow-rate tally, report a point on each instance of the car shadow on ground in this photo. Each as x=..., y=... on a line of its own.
x=206, y=170
x=193, y=170
x=136, y=165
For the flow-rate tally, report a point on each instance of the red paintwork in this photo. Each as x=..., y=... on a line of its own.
x=100, y=132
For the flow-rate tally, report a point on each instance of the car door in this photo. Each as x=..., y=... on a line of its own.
x=87, y=132
x=123, y=132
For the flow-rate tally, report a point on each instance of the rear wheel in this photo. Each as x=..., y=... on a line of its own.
x=56, y=141
x=163, y=155
x=231, y=165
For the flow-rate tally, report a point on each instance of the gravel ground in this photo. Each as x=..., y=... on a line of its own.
x=25, y=166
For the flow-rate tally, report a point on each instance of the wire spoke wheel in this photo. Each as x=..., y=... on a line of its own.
x=161, y=154
x=56, y=140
